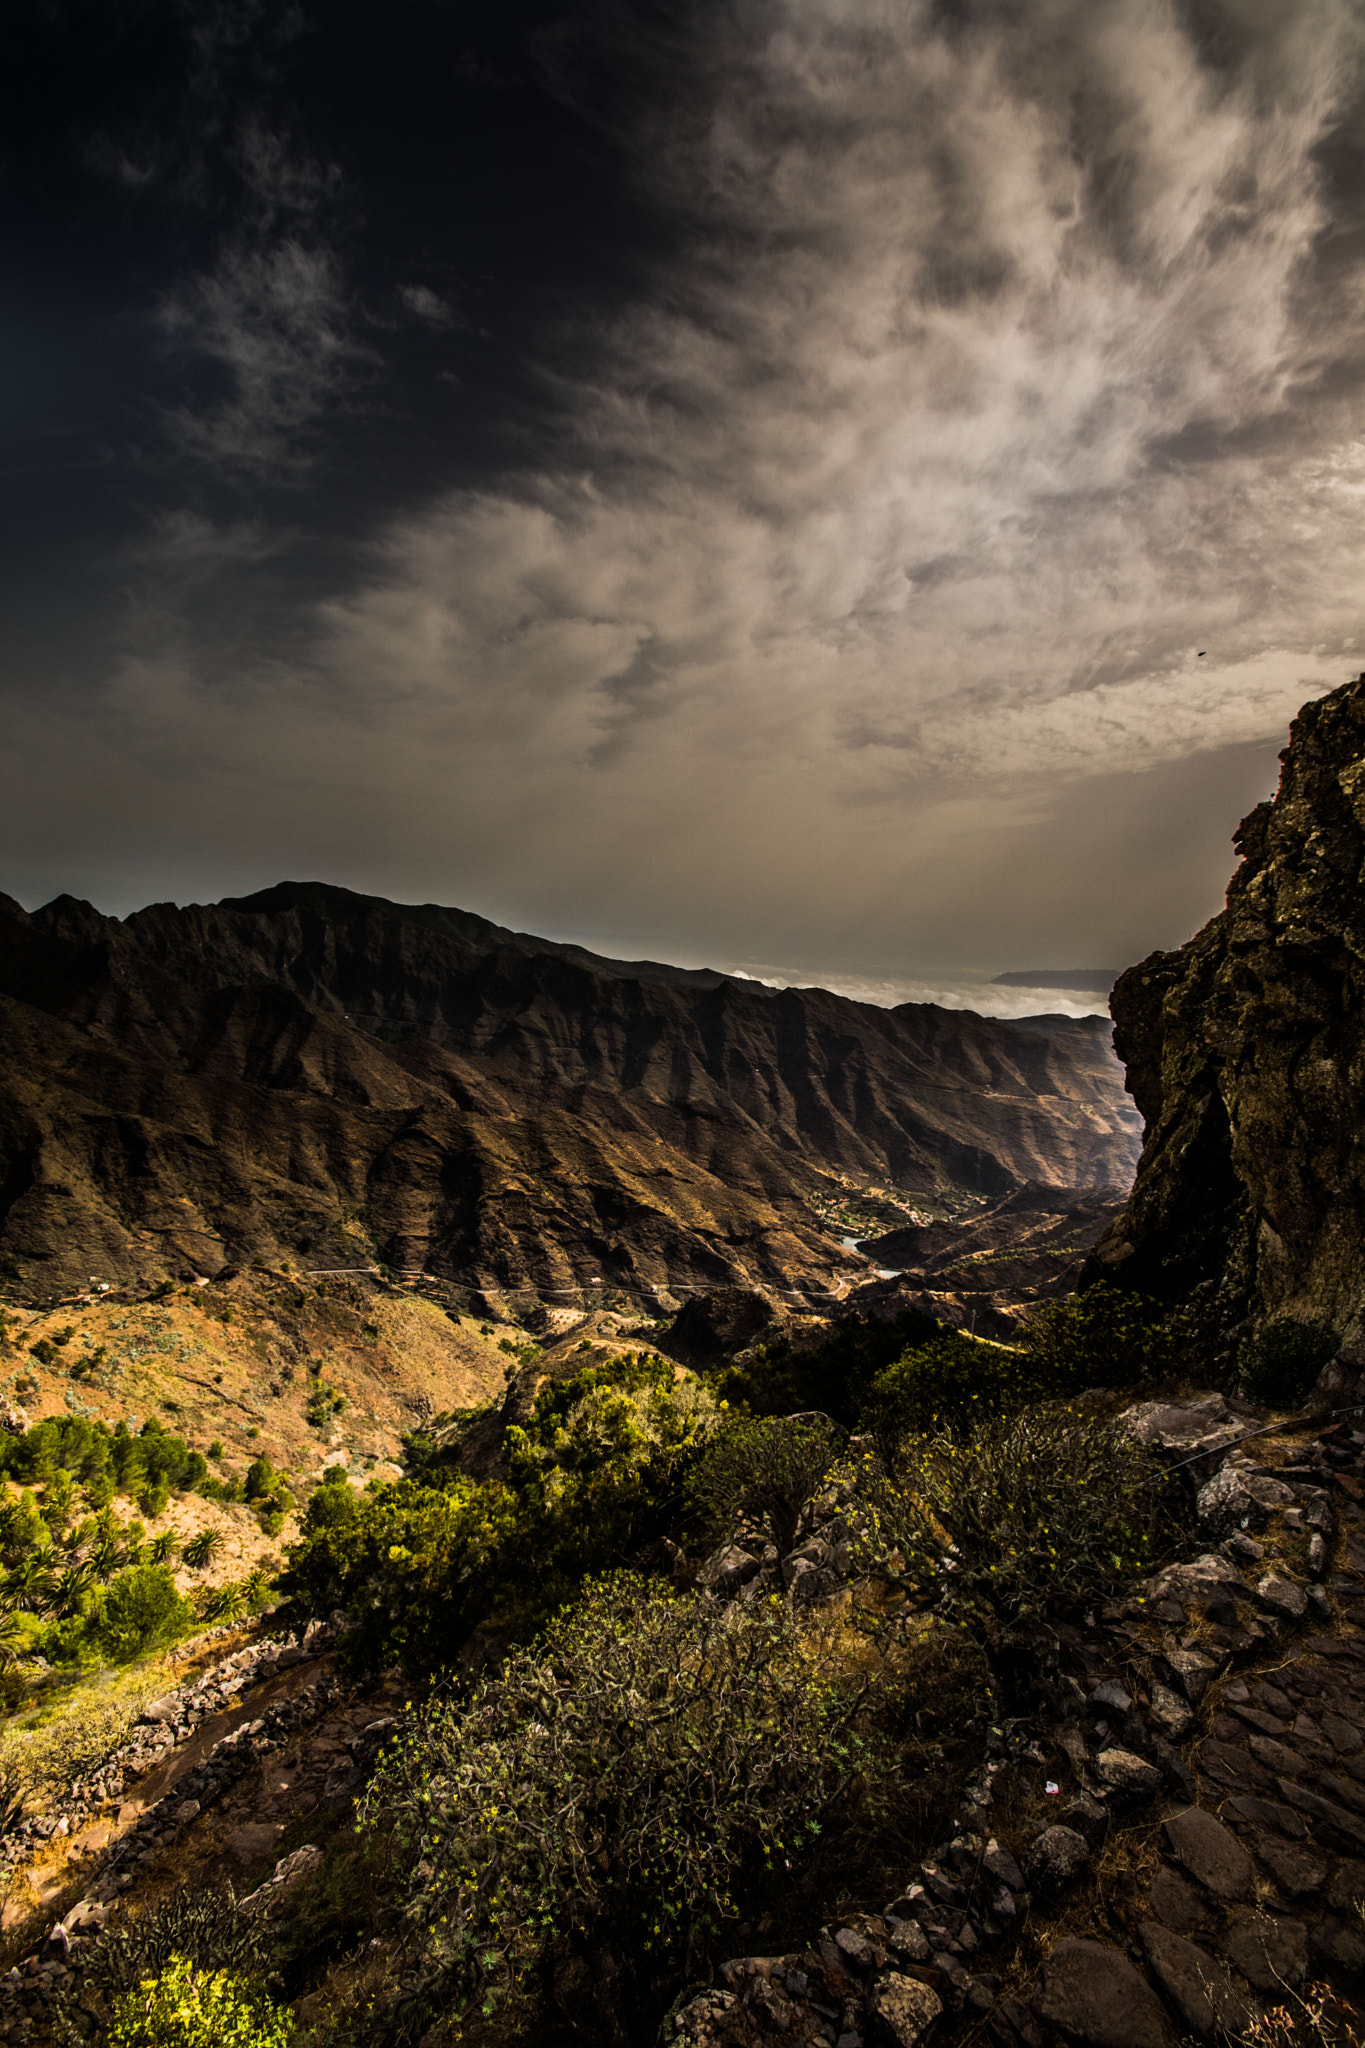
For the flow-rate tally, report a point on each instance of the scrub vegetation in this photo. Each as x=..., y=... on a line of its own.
x=607, y=1770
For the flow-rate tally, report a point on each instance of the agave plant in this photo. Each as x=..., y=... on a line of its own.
x=163, y=1548
x=105, y=1559
x=201, y=1550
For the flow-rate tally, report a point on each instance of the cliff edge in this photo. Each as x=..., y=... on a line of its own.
x=1245, y=1053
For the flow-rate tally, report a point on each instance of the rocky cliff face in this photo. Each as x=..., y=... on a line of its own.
x=321, y=1072
x=1245, y=1053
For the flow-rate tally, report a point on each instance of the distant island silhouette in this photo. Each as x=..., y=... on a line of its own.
x=1099, y=979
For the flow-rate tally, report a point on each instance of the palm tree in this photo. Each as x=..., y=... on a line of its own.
x=66, y=1590
x=255, y=1587
x=29, y=1583
x=163, y=1548
x=220, y=1603
x=105, y=1559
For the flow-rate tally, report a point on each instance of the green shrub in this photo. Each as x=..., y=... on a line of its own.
x=261, y=1479
x=593, y=1480
x=765, y=1470
x=138, y=1610
x=1035, y=1515
x=955, y=1382
x=1105, y=1337
x=153, y=1498
x=410, y=1564
x=613, y=1440
x=185, y=1935
x=323, y=1404
x=189, y=2008
x=833, y=1377
x=1279, y=1364
x=219, y=1489
x=633, y=1782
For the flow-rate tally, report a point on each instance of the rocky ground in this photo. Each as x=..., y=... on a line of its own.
x=1175, y=1844
x=227, y=1774
x=1169, y=1843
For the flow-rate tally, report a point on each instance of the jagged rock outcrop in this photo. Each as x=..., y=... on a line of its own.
x=311, y=1070
x=1245, y=1052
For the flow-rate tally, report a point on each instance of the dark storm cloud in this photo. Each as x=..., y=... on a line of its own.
x=832, y=568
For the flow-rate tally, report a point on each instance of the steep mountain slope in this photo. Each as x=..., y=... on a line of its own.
x=331, y=1073
x=1245, y=1053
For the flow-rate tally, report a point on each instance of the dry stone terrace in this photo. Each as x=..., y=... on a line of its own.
x=1171, y=1847
x=265, y=1738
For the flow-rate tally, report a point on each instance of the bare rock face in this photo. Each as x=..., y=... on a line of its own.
x=1244, y=1054
x=190, y=1087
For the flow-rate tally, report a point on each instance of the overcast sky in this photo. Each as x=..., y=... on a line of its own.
x=848, y=489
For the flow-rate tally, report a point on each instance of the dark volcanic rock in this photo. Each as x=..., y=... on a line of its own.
x=1211, y=1853
x=189, y=1087
x=1244, y=1054
x=1092, y=1994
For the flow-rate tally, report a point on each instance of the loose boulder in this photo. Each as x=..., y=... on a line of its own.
x=1057, y=1858
x=902, y=2009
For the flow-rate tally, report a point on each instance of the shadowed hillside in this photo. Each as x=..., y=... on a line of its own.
x=358, y=1080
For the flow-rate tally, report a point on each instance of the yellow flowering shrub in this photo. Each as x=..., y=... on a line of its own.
x=185, y=2007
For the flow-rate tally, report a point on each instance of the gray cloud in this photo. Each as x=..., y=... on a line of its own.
x=273, y=321
x=428, y=305
x=1012, y=359
x=271, y=316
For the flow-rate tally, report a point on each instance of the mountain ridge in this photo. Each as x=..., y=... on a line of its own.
x=240, y=1077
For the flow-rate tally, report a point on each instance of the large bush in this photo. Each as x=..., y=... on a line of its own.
x=604, y=1456
x=954, y=1382
x=832, y=1377
x=765, y=1470
x=1104, y=1337
x=139, y=1610
x=592, y=1481
x=1035, y=1515
x=1281, y=1361
x=618, y=1793
x=409, y=1563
